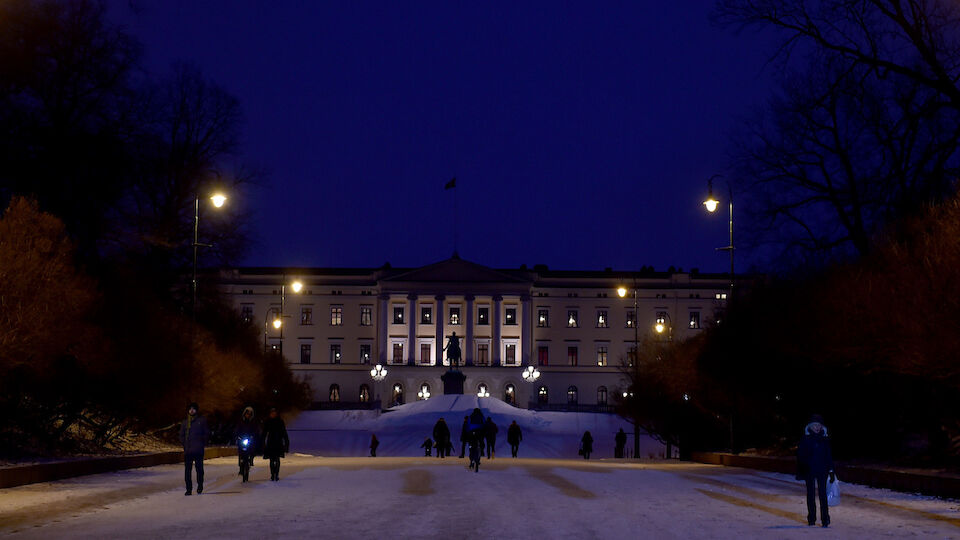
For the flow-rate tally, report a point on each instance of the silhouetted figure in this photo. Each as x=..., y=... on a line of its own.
x=621, y=440
x=276, y=443
x=464, y=435
x=814, y=465
x=490, y=435
x=586, y=445
x=441, y=434
x=374, y=443
x=476, y=450
x=194, y=434
x=427, y=446
x=453, y=349
x=514, y=436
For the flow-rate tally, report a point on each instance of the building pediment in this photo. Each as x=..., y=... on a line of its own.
x=454, y=270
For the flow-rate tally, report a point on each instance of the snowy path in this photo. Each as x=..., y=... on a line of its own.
x=431, y=498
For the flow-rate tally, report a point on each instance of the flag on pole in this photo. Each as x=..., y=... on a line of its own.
x=451, y=184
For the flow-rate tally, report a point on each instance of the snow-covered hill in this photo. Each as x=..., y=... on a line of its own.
x=402, y=430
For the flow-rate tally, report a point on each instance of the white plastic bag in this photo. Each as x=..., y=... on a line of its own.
x=833, y=492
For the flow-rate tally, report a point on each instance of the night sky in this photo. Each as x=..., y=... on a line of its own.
x=581, y=134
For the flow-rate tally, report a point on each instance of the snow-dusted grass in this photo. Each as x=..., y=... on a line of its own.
x=402, y=430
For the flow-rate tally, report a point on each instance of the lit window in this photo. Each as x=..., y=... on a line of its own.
x=426, y=315
x=542, y=395
x=334, y=393
x=510, y=394
x=397, y=353
x=631, y=318
x=335, y=353
x=365, y=353
x=694, y=319
x=455, y=316
x=306, y=315
x=572, y=395
x=510, y=316
x=483, y=316
x=364, y=393
x=602, y=318
x=510, y=354
x=573, y=319
x=246, y=312
x=366, y=316
x=397, y=314
x=398, y=394
x=601, y=356
x=336, y=316
x=543, y=318
x=305, y=353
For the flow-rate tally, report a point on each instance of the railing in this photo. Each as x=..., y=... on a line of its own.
x=344, y=405
x=570, y=407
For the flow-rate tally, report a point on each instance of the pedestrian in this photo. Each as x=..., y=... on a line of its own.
x=490, y=435
x=441, y=434
x=476, y=424
x=476, y=450
x=814, y=465
x=275, y=442
x=374, y=443
x=194, y=434
x=427, y=446
x=621, y=440
x=514, y=436
x=464, y=435
x=586, y=444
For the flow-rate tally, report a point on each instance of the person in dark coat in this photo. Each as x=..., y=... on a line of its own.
x=441, y=434
x=248, y=428
x=476, y=424
x=621, y=440
x=464, y=435
x=374, y=443
x=476, y=450
x=427, y=446
x=514, y=436
x=586, y=444
x=490, y=435
x=194, y=435
x=814, y=465
x=275, y=442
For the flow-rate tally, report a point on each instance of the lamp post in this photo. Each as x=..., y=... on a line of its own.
x=530, y=374
x=296, y=286
x=622, y=293
x=711, y=204
x=664, y=323
x=378, y=373
x=218, y=199
x=424, y=393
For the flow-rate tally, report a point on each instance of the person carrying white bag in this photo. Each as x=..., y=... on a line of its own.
x=814, y=465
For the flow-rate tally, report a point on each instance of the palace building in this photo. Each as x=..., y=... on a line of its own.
x=573, y=326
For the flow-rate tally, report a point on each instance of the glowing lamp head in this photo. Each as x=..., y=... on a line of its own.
x=277, y=323
x=621, y=291
x=659, y=327
x=711, y=204
x=218, y=199
x=296, y=286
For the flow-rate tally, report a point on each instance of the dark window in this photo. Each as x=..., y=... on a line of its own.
x=483, y=354
x=365, y=353
x=573, y=319
x=246, y=312
x=364, y=393
x=483, y=316
x=426, y=315
x=334, y=393
x=694, y=319
x=455, y=316
x=336, y=316
x=571, y=356
x=542, y=395
x=602, y=318
x=366, y=316
x=424, y=353
x=305, y=353
x=510, y=316
x=543, y=356
x=335, y=353
x=543, y=318
x=306, y=314
x=572, y=395
x=398, y=353
x=510, y=354
x=631, y=355
x=602, y=395
x=397, y=314
x=631, y=318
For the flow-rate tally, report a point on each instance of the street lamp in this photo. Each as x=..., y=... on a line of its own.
x=664, y=322
x=378, y=373
x=482, y=391
x=424, y=393
x=218, y=200
x=711, y=204
x=277, y=322
x=531, y=374
x=622, y=293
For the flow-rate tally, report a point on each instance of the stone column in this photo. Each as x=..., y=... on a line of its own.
x=411, y=329
x=526, y=330
x=495, y=342
x=439, y=321
x=468, y=340
x=383, y=329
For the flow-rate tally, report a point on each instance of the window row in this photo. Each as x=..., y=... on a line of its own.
x=573, y=355
x=455, y=319
x=336, y=353
x=482, y=357
x=603, y=319
x=306, y=314
x=573, y=397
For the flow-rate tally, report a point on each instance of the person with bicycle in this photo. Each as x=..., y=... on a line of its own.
x=248, y=432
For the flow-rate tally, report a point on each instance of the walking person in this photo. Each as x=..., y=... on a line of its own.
x=275, y=442
x=374, y=443
x=621, y=440
x=586, y=444
x=476, y=450
x=194, y=434
x=464, y=435
x=514, y=436
x=814, y=465
x=441, y=434
x=490, y=435
x=476, y=425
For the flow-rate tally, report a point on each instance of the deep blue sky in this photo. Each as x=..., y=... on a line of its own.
x=581, y=134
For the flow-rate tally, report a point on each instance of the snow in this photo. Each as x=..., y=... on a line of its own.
x=402, y=430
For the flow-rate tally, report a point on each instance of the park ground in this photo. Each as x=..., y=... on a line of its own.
x=419, y=497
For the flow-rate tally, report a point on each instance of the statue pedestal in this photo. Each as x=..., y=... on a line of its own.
x=453, y=381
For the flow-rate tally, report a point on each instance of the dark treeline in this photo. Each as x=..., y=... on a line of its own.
x=102, y=164
x=847, y=182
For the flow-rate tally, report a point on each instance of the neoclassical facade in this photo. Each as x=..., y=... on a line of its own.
x=572, y=325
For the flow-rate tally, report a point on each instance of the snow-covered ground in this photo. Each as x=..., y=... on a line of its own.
x=402, y=430
x=432, y=498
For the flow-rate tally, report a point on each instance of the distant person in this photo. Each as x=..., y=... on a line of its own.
x=621, y=441
x=275, y=442
x=374, y=443
x=514, y=436
x=476, y=450
x=427, y=446
x=248, y=429
x=586, y=444
x=194, y=435
x=490, y=436
x=476, y=424
x=441, y=434
x=464, y=435
x=814, y=465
